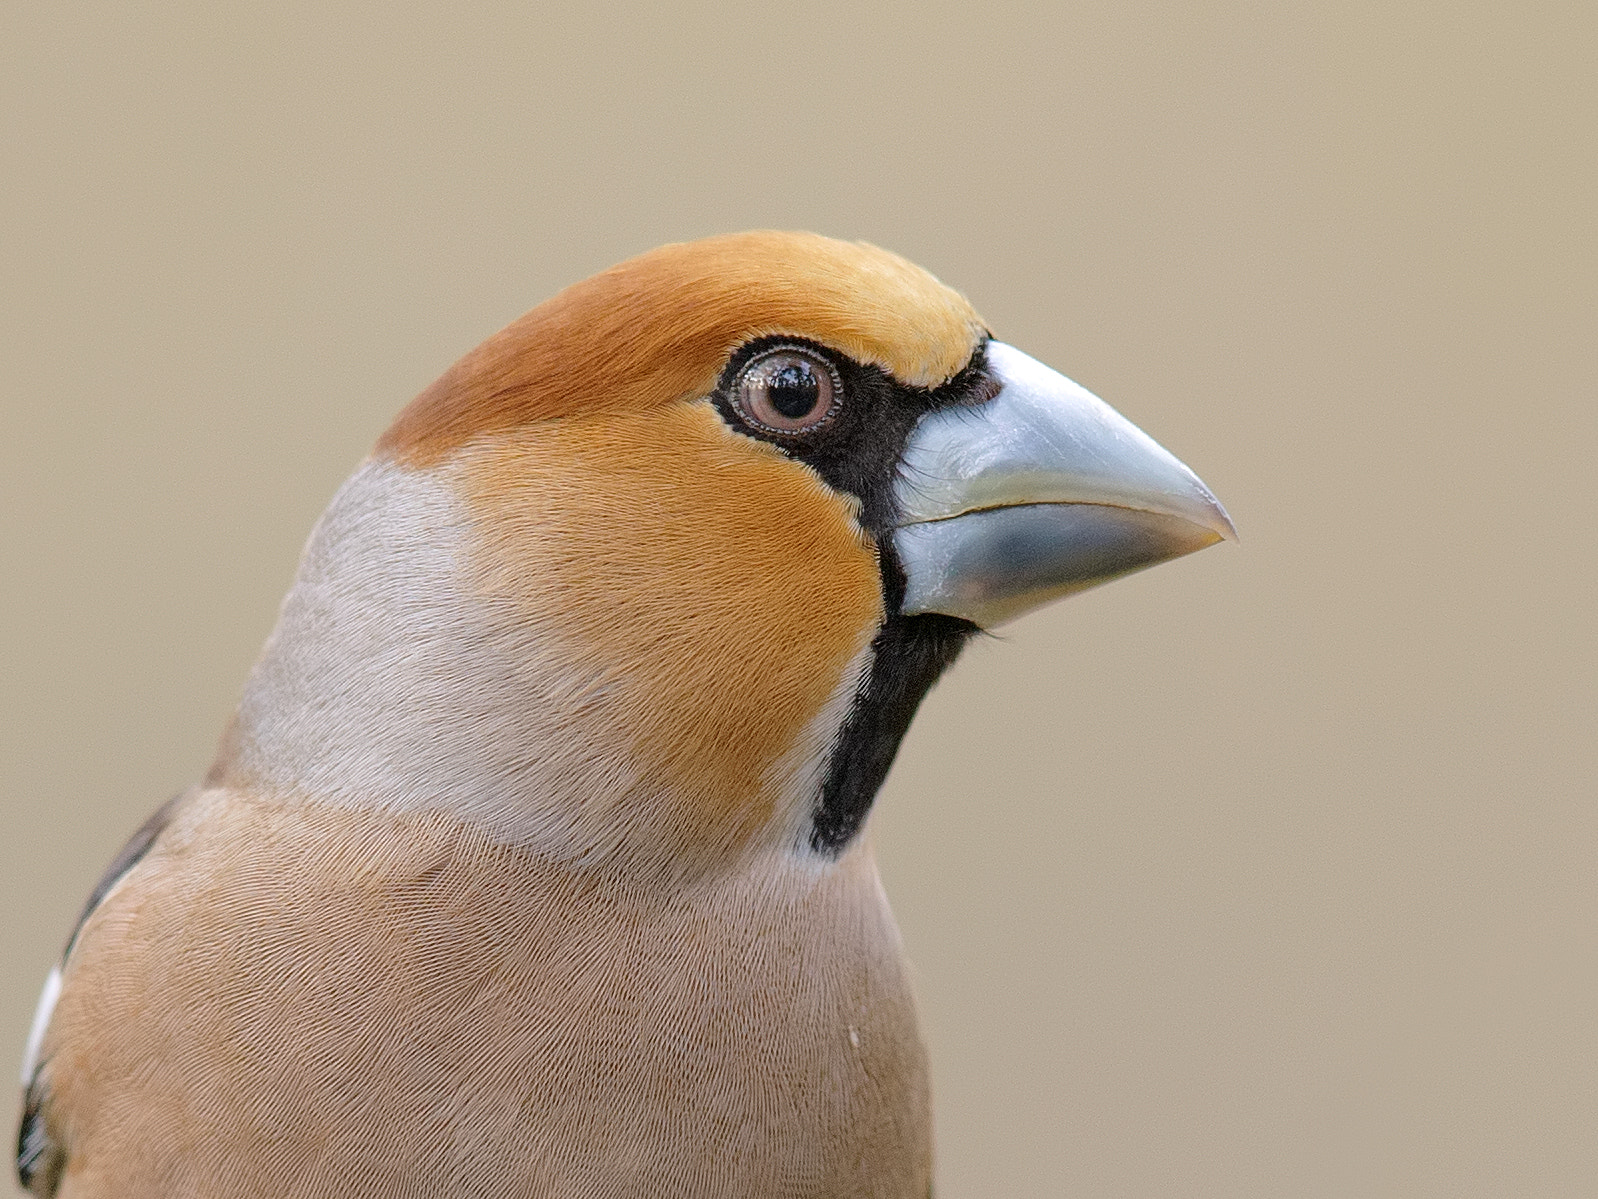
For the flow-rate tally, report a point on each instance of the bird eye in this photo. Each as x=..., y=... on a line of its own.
x=787, y=390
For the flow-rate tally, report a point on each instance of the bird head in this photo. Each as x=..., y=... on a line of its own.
x=659, y=573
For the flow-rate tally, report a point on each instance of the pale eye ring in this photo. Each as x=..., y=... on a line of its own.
x=787, y=389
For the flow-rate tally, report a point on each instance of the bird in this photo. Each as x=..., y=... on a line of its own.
x=535, y=859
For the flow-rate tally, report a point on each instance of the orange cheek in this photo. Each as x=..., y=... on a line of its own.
x=710, y=591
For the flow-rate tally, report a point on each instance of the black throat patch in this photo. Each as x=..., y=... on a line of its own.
x=861, y=453
x=908, y=655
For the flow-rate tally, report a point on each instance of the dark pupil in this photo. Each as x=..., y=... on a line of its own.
x=793, y=390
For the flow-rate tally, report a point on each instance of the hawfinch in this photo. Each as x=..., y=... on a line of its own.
x=531, y=863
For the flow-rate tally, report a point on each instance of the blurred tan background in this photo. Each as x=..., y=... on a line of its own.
x=1269, y=872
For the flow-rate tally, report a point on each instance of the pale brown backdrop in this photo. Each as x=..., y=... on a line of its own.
x=1267, y=873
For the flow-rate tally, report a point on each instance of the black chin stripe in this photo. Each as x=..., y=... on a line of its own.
x=908, y=655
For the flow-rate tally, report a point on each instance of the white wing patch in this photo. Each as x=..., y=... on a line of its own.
x=41, y=1021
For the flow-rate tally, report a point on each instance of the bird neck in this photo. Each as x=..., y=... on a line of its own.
x=392, y=682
